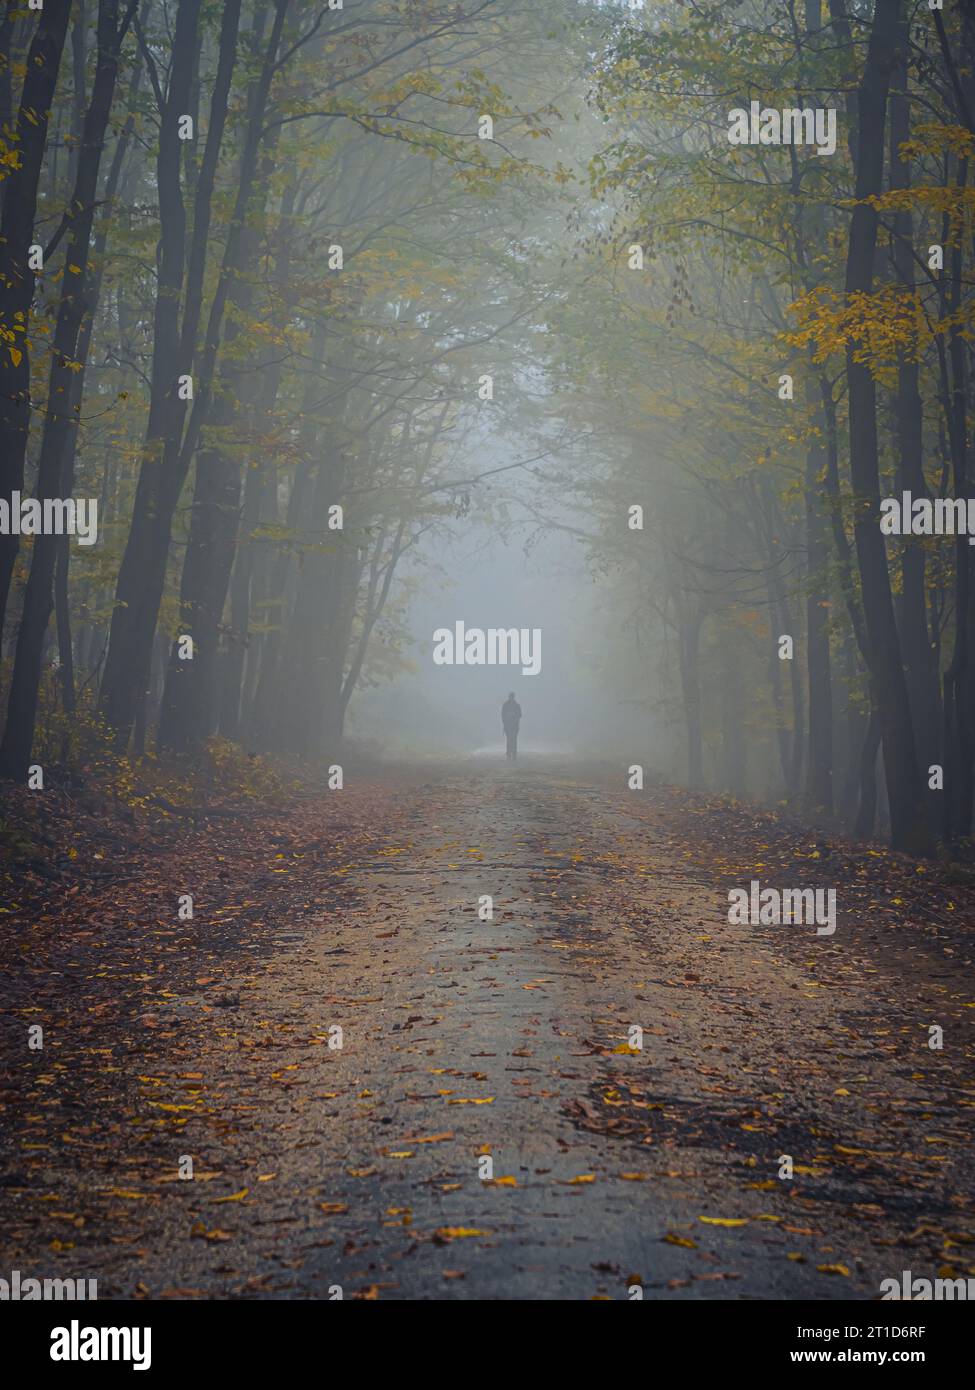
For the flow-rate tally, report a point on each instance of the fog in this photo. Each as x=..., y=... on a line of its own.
x=488, y=581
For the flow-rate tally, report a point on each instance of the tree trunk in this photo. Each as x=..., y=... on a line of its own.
x=921, y=671
x=732, y=720
x=189, y=708
x=261, y=719
x=165, y=455
x=266, y=709
x=689, y=637
x=7, y=27
x=16, y=276
x=61, y=421
x=958, y=743
x=908, y=823
x=308, y=655
x=867, y=808
x=258, y=497
x=819, y=774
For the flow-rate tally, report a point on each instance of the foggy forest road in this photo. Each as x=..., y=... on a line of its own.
x=461, y=1038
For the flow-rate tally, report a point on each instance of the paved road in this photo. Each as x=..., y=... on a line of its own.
x=465, y=1039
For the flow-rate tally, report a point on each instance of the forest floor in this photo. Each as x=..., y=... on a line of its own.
x=316, y=1166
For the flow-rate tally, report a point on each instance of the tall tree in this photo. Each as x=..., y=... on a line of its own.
x=908, y=821
x=142, y=573
x=189, y=711
x=63, y=400
x=18, y=265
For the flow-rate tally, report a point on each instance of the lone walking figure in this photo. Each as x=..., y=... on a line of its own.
x=510, y=719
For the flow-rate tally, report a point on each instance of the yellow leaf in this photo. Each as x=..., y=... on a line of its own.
x=724, y=1220
x=234, y=1196
x=198, y=1229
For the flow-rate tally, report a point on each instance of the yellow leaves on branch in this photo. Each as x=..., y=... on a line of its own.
x=938, y=200
x=933, y=138
x=880, y=328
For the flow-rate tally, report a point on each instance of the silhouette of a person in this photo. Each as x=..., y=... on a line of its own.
x=510, y=719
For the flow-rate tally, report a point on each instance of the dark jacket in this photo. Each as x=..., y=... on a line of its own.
x=510, y=715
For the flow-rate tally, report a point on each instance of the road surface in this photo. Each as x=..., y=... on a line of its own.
x=360, y=1168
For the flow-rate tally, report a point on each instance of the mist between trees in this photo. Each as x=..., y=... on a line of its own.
x=297, y=292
